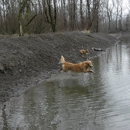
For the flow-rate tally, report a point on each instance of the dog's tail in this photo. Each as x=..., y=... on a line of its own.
x=62, y=60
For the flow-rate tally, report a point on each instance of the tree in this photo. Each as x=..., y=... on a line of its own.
x=120, y=15
x=24, y=11
x=81, y=14
x=72, y=13
x=19, y=16
x=50, y=11
x=93, y=15
x=89, y=15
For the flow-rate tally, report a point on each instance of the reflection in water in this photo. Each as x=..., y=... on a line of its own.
x=67, y=101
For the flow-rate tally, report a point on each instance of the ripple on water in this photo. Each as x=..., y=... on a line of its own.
x=99, y=101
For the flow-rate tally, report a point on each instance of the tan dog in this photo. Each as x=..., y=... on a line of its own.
x=83, y=52
x=79, y=67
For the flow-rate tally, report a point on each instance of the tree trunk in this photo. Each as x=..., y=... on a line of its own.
x=21, y=33
x=89, y=16
x=81, y=14
x=50, y=13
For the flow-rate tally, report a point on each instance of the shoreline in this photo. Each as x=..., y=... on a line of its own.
x=27, y=61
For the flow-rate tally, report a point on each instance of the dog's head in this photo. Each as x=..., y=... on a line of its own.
x=87, y=50
x=89, y=63
x=62, y=59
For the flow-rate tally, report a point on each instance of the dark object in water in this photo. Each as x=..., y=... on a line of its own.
x=97, y=49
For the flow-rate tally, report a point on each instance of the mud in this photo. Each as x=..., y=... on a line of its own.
x=29, y=60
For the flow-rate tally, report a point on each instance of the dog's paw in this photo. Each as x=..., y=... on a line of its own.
x=92, y=71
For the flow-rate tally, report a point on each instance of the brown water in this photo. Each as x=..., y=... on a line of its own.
x=67, y=101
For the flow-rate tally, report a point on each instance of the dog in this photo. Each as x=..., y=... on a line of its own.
x=83, y=52
x=82, y=67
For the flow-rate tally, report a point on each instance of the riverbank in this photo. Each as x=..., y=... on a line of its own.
x=26, y=61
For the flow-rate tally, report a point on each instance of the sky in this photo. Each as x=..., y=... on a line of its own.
x=126, y=6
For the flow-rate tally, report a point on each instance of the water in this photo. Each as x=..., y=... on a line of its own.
x=67, y=101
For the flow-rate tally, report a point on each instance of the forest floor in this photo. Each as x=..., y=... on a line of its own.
x=28, y=60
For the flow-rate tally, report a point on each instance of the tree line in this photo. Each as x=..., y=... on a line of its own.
x=41, y=16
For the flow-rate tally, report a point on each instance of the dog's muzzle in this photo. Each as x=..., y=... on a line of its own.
x=90, y=66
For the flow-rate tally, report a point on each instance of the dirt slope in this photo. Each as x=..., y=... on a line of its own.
x=25, y=61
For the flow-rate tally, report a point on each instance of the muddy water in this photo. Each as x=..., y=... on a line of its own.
x=67, y=101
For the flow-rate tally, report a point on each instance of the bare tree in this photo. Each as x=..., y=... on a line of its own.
x=24, y=11
x=4, y=14
x=50, y=10
x=72, y=12
x=81, y=14
x=57, y=15
x=89, y=15
x=109, y=9
x=93, y=14
x=64, y=14
x=120, y=15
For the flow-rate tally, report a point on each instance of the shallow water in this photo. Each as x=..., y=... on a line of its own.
x=67, y=101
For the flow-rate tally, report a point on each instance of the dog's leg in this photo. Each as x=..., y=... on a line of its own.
x=91, y=71
x=60, y=69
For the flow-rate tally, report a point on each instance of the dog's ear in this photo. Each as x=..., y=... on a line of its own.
x=62, y=56
x=62, y=59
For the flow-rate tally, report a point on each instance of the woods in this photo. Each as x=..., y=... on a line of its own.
x=42, y=16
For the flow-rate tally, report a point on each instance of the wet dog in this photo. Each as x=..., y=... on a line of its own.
x=83, y=52
x=82, y=67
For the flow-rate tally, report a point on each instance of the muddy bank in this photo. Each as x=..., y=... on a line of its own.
x=26, y=61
